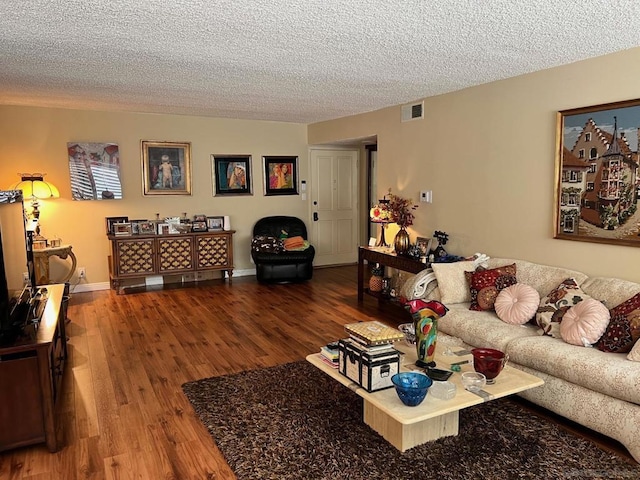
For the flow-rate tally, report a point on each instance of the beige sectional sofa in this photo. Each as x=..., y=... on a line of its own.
x=593, y=388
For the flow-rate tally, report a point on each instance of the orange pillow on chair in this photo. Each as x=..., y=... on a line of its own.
x=293, y=243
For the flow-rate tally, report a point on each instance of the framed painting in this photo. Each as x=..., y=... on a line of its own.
x=166, y=168
x=596, y=191
x=280, y=175
x=231, y=174
x=94, y=170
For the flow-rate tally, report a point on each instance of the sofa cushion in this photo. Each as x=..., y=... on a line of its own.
x=285, y=257
x=607, y=373
x=485, y=284
x=611, y=291
x=541, y=277
x=555, y=304
x=517, y=304
x=634, y=354
x=481, y=329
x=584, y=323
x=624, y=328
x=452, y=282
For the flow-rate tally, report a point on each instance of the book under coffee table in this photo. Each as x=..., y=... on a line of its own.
x=405, y=427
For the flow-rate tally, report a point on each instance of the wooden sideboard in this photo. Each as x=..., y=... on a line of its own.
x=136, y=256
x=31, y=372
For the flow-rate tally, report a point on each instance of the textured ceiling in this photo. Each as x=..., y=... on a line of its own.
x=288, y=60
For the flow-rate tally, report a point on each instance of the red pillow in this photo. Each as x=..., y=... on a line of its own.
x=485, y=285
x=624, y=327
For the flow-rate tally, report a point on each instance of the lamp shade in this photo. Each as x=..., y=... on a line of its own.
x=33, y=185
x=380, y=213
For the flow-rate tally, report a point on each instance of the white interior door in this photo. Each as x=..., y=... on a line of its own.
x=334, y=206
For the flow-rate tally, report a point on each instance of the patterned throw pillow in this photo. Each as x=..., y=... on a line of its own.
x=266, y=244
x=553, y=307
x=485, y=285
x=624, y=327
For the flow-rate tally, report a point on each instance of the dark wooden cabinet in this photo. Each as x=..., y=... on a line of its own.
x=31, y=373
x=389, y=259
x=182, y=253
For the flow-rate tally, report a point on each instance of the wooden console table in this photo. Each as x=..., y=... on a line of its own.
x=135, y=256
x=389, y=259
x=31, y=372
x=42, y=257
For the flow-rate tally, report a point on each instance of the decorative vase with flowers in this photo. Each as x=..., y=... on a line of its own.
x=401, y=213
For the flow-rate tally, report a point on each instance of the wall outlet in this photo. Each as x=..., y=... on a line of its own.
x=82, y=273
x=25, y=278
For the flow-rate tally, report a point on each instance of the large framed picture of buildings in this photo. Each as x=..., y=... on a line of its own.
x=597, y=183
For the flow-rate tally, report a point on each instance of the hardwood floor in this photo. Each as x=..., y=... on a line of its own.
x=123, y=412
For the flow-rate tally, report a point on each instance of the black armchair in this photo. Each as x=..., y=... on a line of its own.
x=282, y=266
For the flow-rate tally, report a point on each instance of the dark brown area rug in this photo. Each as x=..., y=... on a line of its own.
x=294, y=422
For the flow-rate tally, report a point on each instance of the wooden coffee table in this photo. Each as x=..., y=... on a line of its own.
x=405, y=427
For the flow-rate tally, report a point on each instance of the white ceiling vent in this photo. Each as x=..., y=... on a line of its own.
x=413, y=111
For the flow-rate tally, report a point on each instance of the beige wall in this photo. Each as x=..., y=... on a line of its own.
x=35, y=139
x=488, y=154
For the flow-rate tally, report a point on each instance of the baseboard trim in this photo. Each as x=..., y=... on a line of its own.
x=91, y=287
x=244, y=273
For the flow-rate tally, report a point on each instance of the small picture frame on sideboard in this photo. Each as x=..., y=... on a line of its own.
x=163, y=229
x=199, y=226
x=147, y=228
x=122, y=229
x=215, y=224
x=110, y=221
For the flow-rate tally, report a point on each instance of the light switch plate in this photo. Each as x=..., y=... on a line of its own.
x=426, y=196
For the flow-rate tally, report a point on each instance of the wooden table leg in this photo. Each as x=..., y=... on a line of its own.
x=360, y=275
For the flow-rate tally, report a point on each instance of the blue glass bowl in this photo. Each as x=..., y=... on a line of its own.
x=411, y=387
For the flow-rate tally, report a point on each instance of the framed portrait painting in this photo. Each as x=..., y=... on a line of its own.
x=280, y=175
x=596, y=191
x=231, y=174
x=166, y=168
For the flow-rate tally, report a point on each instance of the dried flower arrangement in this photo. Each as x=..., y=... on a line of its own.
x=401, y=210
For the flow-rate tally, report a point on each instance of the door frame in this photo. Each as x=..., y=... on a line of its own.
x=370, y=191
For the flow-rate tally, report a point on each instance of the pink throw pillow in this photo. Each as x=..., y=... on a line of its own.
x=585, y=323
x=517, y=304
